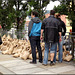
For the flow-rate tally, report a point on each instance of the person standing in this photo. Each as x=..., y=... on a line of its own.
x=60, y=44
x=34, y=32
x=51, y=28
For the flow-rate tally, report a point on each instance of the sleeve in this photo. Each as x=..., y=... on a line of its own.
x=30, y=26
x=64, y=27
x=43, y=24
x=59, y=27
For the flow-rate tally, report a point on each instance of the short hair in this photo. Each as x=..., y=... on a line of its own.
x=52, y=12
x=57, y=15
x=35, y=13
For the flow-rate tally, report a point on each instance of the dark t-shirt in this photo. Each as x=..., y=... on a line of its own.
x=63, y=26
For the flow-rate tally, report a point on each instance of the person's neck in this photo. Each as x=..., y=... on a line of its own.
x=51, y=15
x=33, y=16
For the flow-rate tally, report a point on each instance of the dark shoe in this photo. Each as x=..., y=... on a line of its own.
x=44, y=64
x=32, y=62
x=40, y=61
x=51, y=64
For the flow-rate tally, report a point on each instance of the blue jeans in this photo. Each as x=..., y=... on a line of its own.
x=52, y=50
x=60, y=44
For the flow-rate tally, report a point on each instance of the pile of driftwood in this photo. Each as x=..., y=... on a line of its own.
x=22, y=49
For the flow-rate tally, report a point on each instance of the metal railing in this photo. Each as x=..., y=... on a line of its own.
x=71, y=42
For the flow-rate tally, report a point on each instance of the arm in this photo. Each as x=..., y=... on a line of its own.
x=60, y=31
x=64, y=28
x=30, y=27
x=60, y=39
x=42, y=29
x=41, y=37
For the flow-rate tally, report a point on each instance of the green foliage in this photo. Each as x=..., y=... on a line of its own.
x=20, y=13
x=29, y=12
x=62, y=9
x=9, y=15
x=6, y=15
x=71, y=16
x=38, y=5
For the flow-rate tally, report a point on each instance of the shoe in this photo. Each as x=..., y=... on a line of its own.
x=32, y=62
x=51, y=64
x=44, y=64
x=54, y=62
x=60, y=61
x=40, y=61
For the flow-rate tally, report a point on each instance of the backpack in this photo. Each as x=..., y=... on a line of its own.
x=36, y=29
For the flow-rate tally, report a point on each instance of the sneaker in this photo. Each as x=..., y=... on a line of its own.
x=60, y=61
x=40, y=61
x=44, y=64
x=51, y=64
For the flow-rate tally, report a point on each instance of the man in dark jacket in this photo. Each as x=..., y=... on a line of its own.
x=52, y=29
x=34, y=32
x=60, y=44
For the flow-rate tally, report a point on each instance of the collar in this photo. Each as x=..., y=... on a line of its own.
x=35, y=17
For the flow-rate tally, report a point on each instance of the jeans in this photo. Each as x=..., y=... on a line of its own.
x=60, y=44
x=35, y=42
x=52, y=50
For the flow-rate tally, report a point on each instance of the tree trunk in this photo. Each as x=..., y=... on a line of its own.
x=18, y=22
x=73, y=9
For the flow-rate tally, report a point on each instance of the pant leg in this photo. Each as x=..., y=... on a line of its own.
x=45, y=60
x=60, y=50
x=39, y=48
x=33, y=47
x=53, y=48
x=55, y=54
x=52, y=51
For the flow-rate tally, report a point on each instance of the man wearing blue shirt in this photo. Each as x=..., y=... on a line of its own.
x=34, y=32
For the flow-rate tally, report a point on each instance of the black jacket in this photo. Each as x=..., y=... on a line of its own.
x=63, y=26
x=51, y=27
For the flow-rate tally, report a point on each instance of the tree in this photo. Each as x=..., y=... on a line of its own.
x=21, y=9
x=72, y=14
x=10, y=15
x=62, y=9
x=6, y=15
x=39, y=6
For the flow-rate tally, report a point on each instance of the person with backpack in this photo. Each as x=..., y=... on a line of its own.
x=52, y=29
x=60, y=44
x=34, y=32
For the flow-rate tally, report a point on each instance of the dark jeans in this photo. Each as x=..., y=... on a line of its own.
x=35, y=42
